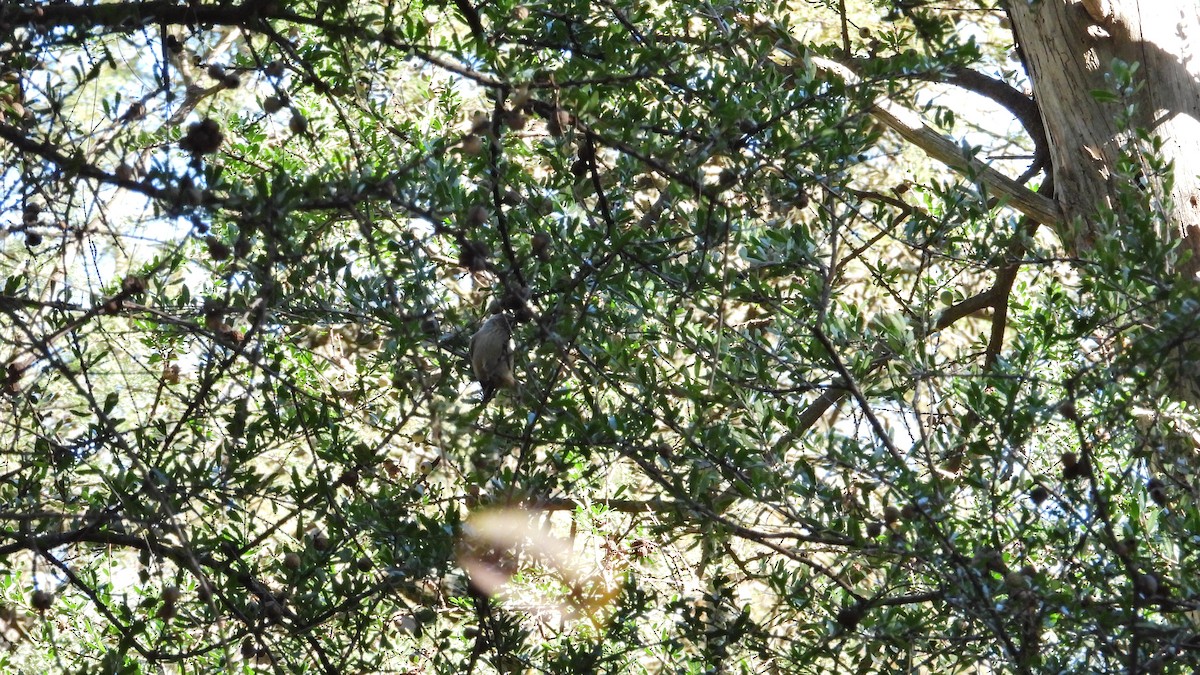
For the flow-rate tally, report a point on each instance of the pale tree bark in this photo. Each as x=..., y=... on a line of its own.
x=1069, y=46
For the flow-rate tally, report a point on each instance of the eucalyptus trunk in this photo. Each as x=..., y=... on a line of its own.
x=1069, y=48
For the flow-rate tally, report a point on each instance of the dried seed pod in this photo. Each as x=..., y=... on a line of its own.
x=800, y=199
x=541, y=244
x=1158, y=492
x=217, y=249
x=474, y=256
x=1074, y=467
x=472, y=144
x=1039, y=494
x=477, y=215
x=515, y=120
x=1067, y=410
x=230, y=336
x=41, y=600
x=136, y=111
x=203, y=137
x=1016, y=581
x=849, y=617
x=988, y=559
x=299, y=123
x=481, y=123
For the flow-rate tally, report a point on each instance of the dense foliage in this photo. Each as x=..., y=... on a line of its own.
x=791, y=397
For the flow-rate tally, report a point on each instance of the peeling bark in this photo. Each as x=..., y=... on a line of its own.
x=1069, y=46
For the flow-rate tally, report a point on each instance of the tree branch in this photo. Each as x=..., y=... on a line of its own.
x=906, y=123
x=74, y=166
x=909, y=125
x=1022, y=107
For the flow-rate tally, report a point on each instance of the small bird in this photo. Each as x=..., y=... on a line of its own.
x=492, y=356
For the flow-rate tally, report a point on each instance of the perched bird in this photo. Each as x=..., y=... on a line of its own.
x=492, y=356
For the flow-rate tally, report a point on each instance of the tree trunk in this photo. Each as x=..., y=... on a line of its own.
x=1069, y=46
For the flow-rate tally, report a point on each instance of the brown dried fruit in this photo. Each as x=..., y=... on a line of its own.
x=1039, y=494
x=136, y=111
x=849, y=617
x=41, y=600
x=481, y=123
x=230, y=335
x=472, y=144
x=298, y=124
x=203, y=137
x=800, y=199
x=474, y=256
x=477, y=215
x=540, y=244
x=1074, y=467
x=217, y=250
x=1158, y=492
x=1067, y=410
x=133, y=285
